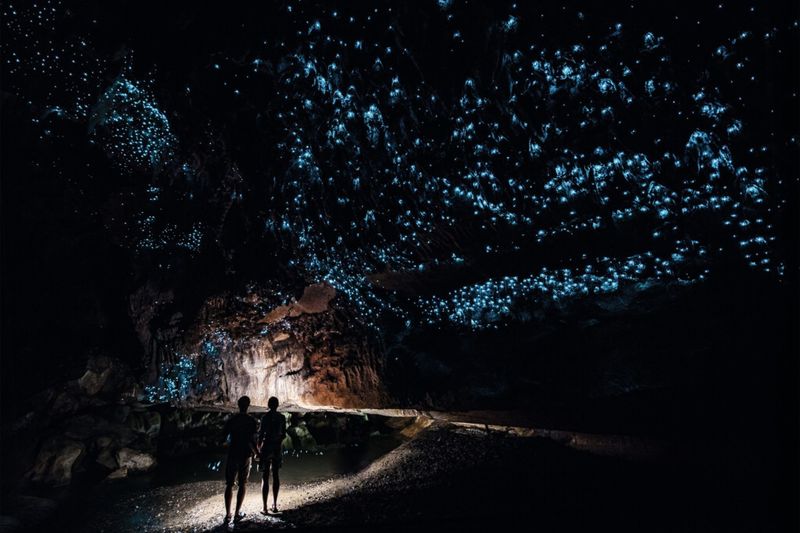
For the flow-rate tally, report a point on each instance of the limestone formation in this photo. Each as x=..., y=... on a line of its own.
x=309, y=353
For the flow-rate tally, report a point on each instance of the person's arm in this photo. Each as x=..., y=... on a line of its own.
x=254, y=447
x=261, y=430
x=226, y=430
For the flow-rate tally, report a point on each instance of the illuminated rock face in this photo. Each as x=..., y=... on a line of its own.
x=305, y=352
x=338, y=374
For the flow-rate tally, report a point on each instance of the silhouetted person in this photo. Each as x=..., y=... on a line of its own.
x=270, y=441
x=242, y=429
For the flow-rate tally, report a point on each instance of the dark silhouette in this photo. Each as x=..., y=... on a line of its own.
x=270, y=439
x=242, y=429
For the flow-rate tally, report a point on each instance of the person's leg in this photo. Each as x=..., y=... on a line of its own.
x=276, y=485
x=276, y=482
x=244, y=471
x=228, y=498
x=230, y=475
x=265, y=484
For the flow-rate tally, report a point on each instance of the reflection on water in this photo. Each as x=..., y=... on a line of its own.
x=298, y=467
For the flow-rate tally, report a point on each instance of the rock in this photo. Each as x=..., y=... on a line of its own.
x=315, y=356
x=316, y=299
x=123, y=435
x=276, y=315
x=146, y=423
x=56, y=460
x=145, y=306
x=103, y=374
x=420, y=423
x=131, y=392
x=84, y=427
x=399, y=422
x=92, y=382
x=327, y=428
x=181, y=418
x=90, y=427
x=24, y=422
x=281, y=337
x=120, y=413
x=301, y=437
x=67, y=403
x=186, y=431
x=108, y=459
x=135, y=460
x=41, y=400
x=118, y=473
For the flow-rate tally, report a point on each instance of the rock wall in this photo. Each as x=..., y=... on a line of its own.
x=308, y=352
x=327, y=370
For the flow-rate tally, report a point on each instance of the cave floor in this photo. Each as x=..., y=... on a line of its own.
x=456, y=478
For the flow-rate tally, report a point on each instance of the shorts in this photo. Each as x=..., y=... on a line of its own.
x=272, y=456
x=237, y=469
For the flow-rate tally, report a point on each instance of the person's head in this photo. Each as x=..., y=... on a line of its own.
x=244, y=403
x=272, y=403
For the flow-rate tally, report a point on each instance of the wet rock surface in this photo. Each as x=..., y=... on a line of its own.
x=134, y=460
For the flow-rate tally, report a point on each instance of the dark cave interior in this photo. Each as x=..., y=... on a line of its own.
x=567, y=230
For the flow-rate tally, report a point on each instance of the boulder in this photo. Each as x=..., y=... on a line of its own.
x=316, y=299
x=103, y=374
x=92, y=382
x=135, y=460
x=56, y=460
x=301, y=437
x=118, y=473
